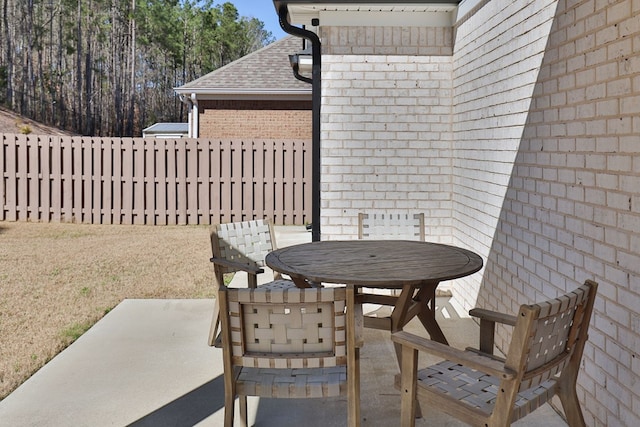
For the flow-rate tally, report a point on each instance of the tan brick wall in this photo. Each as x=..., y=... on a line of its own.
x=255, y=119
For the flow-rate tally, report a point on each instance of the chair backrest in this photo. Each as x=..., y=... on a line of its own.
x=549, y=337
x=246, y=242
x=386, y=226
x=285, y=327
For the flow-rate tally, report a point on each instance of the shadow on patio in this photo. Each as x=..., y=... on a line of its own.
x=147, y=364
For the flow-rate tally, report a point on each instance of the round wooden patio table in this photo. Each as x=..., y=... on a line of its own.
x=412, y=266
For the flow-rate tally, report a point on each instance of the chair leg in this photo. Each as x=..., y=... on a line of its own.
x=571, y=407
x=215, y=323
x=353, y=359
x=353, y=398
x=408, y=374
x=229, y=400
x=244, y=421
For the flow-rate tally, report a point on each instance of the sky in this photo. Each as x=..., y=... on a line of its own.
x=261, y=9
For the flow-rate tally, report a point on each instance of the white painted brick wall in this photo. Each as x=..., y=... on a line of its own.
x=385, y=135
x=570, y=209
x=521, y=141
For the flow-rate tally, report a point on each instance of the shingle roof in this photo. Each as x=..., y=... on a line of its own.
x=266, y=70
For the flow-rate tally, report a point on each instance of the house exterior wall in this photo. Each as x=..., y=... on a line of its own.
x=255, y=119
x=385, y=127
x=571, y=209
x=543, y=137
x=498, y=54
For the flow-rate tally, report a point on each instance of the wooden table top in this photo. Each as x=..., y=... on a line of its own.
x=374, y=263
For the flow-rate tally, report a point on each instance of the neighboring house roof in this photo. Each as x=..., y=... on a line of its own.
x=166, y=130
x=266, y=71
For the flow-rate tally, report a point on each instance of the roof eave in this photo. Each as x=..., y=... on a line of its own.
x=238, y=94
x=381, y=13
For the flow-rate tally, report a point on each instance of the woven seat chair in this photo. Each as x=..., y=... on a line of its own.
x=481, y=389
x=241, y=247
x=387, y=226
x=289, y=343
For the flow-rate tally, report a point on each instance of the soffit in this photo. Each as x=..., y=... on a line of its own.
x=417, y=13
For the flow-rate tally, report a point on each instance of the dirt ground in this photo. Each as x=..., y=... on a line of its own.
x=56, y=280
x=13, y=123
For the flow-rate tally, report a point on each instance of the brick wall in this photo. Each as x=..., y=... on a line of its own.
x=532, y=128
x=571, y=209
x=255, y=119
x=498, y=54
x=422, y=41
x=385, y=128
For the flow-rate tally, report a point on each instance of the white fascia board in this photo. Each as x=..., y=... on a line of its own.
x=266, y=94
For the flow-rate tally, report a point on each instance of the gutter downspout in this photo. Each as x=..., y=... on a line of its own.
x=193, y=132
x=187, y=101
x=283, y=14
x=297, y=75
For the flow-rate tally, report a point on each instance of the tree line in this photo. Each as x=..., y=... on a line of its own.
x=108, y=67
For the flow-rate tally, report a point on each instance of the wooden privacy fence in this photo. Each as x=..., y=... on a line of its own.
x=153, y=181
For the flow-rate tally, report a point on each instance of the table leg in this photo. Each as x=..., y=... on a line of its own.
x=426, y=299
x=301, y=282
x=400, y=315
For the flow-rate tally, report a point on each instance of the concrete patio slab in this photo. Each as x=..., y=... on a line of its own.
x=146, y=363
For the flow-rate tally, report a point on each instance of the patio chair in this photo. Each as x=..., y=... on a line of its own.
x=387, y=226
x=485, y=390
x=289, y=343
x=240, y=247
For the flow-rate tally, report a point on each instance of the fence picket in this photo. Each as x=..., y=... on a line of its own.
x=191, y=180
x=22, y=176
x=43, y=205
x=10, y=177
x=55, y=179
x=33, y=179
x=2, y=179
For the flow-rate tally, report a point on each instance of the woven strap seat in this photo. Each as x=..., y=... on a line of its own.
x=293, y=383
x=480, y=390
x=278, y=284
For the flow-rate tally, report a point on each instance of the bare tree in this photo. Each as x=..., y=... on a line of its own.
x=108, y=67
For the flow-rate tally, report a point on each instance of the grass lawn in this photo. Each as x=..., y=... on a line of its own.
x=57, y=280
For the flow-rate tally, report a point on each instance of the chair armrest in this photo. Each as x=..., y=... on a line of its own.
x=237, y=265
x=493, y=316
x=488, y=321
x=470, y=359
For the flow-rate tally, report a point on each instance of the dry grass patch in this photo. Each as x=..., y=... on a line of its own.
x=57, y=280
